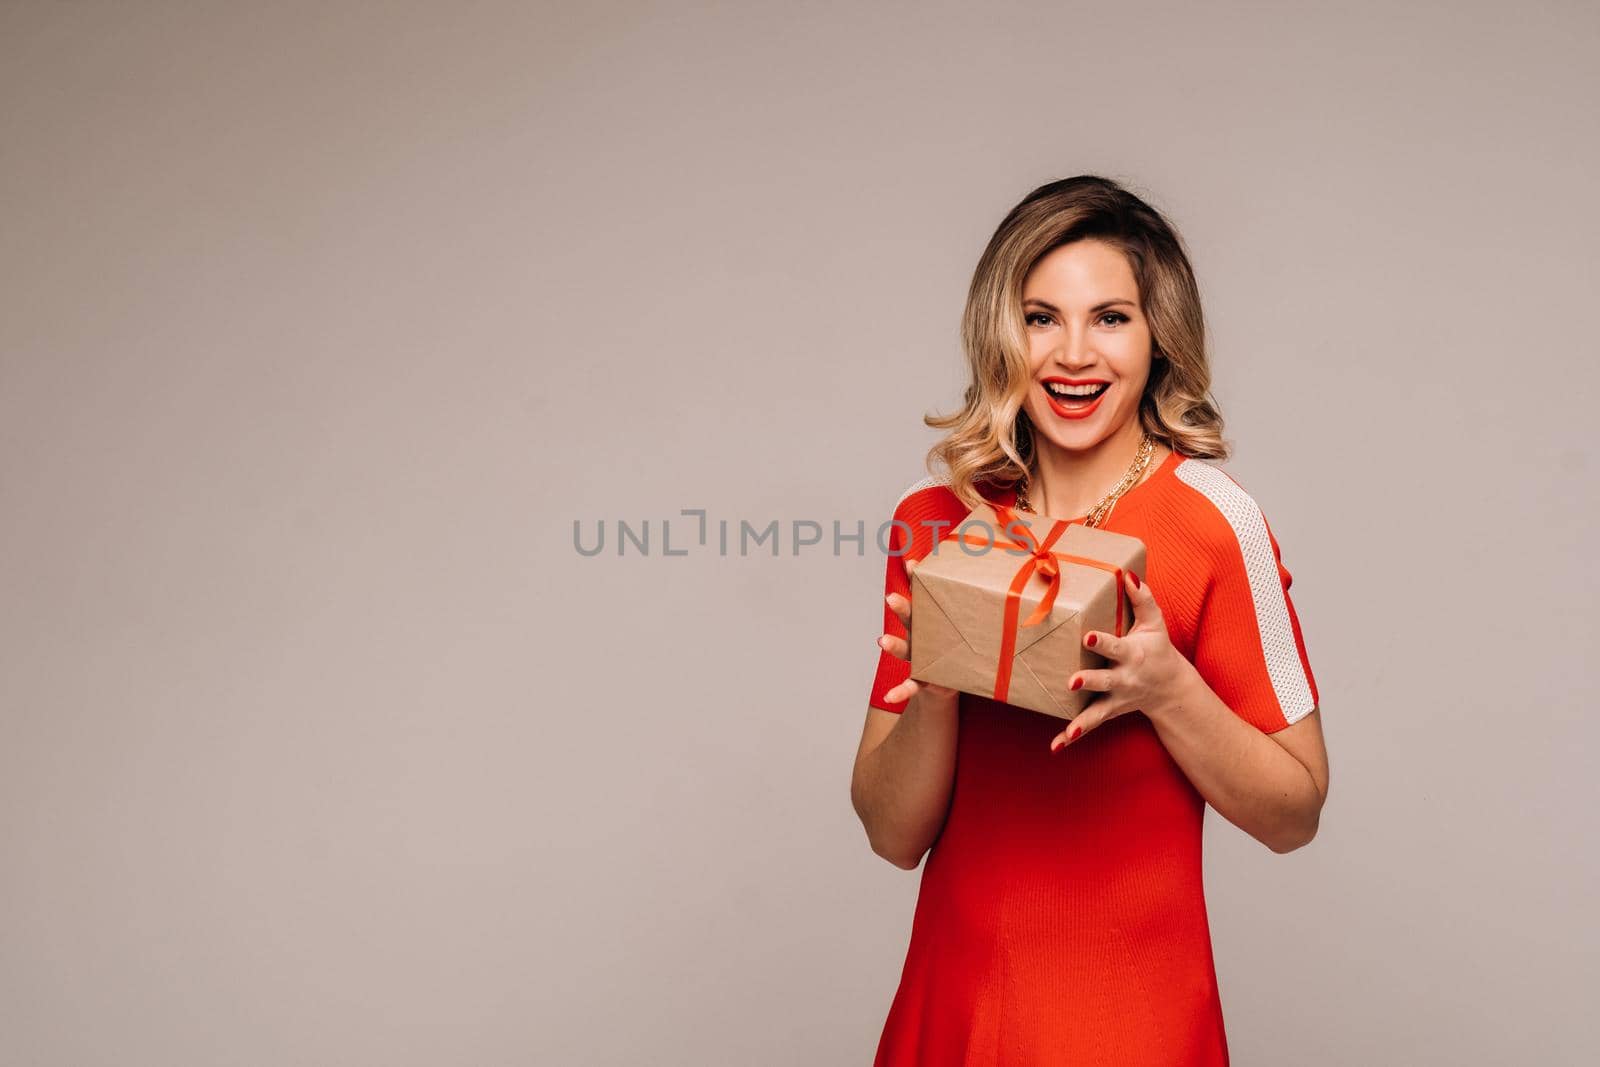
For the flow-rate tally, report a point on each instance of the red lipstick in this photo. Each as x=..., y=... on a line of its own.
x=1074, y=409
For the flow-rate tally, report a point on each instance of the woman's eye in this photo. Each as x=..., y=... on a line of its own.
x=1039, y=318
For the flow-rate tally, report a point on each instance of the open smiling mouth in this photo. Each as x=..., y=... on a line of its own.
x=1074, y=401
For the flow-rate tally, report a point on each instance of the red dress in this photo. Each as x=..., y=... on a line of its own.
x=1061, y=917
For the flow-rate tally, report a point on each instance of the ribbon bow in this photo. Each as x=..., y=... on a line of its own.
x=1046, y=562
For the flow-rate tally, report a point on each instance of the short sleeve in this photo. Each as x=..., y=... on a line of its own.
x=1248, y=644
x=910, y=535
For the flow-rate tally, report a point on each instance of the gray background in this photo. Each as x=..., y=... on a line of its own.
x=322, y=323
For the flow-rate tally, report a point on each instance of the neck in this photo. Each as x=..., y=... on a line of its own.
x=1067, y=483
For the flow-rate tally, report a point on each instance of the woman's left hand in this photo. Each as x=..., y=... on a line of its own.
x=1146, y=671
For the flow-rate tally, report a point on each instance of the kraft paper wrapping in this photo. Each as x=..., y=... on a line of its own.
x=959, y=606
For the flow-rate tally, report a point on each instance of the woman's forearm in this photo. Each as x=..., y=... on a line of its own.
x=1250, y=779
x=901, y=789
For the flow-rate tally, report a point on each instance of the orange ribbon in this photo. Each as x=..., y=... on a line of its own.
x=1046, y=562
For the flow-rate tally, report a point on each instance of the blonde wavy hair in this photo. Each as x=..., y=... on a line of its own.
x=991, y=438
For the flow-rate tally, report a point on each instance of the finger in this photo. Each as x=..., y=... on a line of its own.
x=1095, y=713
x=1064, y=738
x=1096, y=681
x=1145, y=608
x=904, y=691
x=1110, y=646
x=910, y=688
x=895, y=646
x=901, y=608
x=1075, y=728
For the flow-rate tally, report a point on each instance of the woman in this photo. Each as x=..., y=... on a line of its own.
x=1061, y=917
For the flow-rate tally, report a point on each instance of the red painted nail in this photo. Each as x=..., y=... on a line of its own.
x=1077, y=682
x=1057, y=746
x=1089, y=640
x=1135, y=579
x=1073, y=736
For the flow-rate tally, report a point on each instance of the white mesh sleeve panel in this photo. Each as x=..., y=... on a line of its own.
x=917, y=487
x=1266, y=588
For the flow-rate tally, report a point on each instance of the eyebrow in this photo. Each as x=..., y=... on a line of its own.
x=1098, y=307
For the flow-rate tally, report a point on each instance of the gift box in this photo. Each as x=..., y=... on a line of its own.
x=1001, y=605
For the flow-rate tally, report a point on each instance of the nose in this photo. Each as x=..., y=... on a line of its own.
x=1075, y=352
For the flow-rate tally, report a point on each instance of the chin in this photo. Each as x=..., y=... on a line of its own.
x=1072, y=436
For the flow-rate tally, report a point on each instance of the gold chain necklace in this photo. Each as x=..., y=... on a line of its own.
x=1101, y=511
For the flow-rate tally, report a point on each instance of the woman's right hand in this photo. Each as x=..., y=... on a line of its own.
x=900, y=648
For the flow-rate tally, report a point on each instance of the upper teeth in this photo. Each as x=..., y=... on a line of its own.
x=1062, y=389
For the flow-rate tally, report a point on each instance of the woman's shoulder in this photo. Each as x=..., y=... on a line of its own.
x=931, y=498
x=1217, y=511
x=1207, y=486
